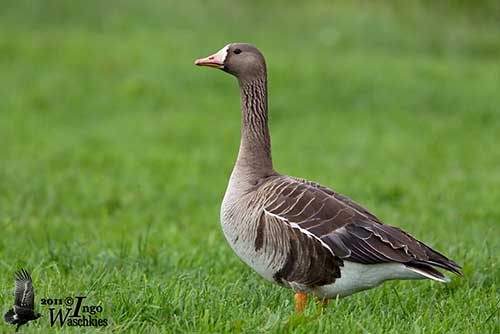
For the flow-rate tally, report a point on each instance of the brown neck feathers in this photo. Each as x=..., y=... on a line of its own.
x=254, y=158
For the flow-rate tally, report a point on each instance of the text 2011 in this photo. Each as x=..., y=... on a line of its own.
x=52, y=301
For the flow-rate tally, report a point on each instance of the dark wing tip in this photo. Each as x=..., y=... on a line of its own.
x=439, y=260
x=447, y=264
x=455, y=267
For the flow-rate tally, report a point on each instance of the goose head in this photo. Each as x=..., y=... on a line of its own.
x=244, y=61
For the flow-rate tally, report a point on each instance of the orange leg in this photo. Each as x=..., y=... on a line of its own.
x=323, y=302
x=300, y=302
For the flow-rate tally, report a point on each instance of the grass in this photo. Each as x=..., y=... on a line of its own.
x=115, y=153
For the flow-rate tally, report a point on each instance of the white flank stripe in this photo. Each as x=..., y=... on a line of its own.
x=303, y=230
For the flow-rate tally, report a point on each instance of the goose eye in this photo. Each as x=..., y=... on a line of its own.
x=237, y=51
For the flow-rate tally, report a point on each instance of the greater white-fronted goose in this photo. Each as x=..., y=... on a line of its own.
x=298, y=233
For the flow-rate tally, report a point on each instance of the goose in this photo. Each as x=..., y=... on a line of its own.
x=298, y=233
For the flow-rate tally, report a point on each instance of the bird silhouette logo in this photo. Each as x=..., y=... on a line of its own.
x=24, y=301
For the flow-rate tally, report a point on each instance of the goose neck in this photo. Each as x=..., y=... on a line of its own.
x=254, y=156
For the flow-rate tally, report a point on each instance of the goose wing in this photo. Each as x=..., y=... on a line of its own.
x=24, y=294
x=348, y=230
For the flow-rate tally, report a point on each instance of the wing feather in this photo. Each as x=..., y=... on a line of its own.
x=24, y=295
x=349, y=230
x=304, y=258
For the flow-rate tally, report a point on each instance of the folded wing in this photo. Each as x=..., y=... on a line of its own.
x=350, y=231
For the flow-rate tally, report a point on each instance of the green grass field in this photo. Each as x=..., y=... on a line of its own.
x=115, y=151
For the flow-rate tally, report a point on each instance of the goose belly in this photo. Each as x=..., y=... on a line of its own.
x=357, y=277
